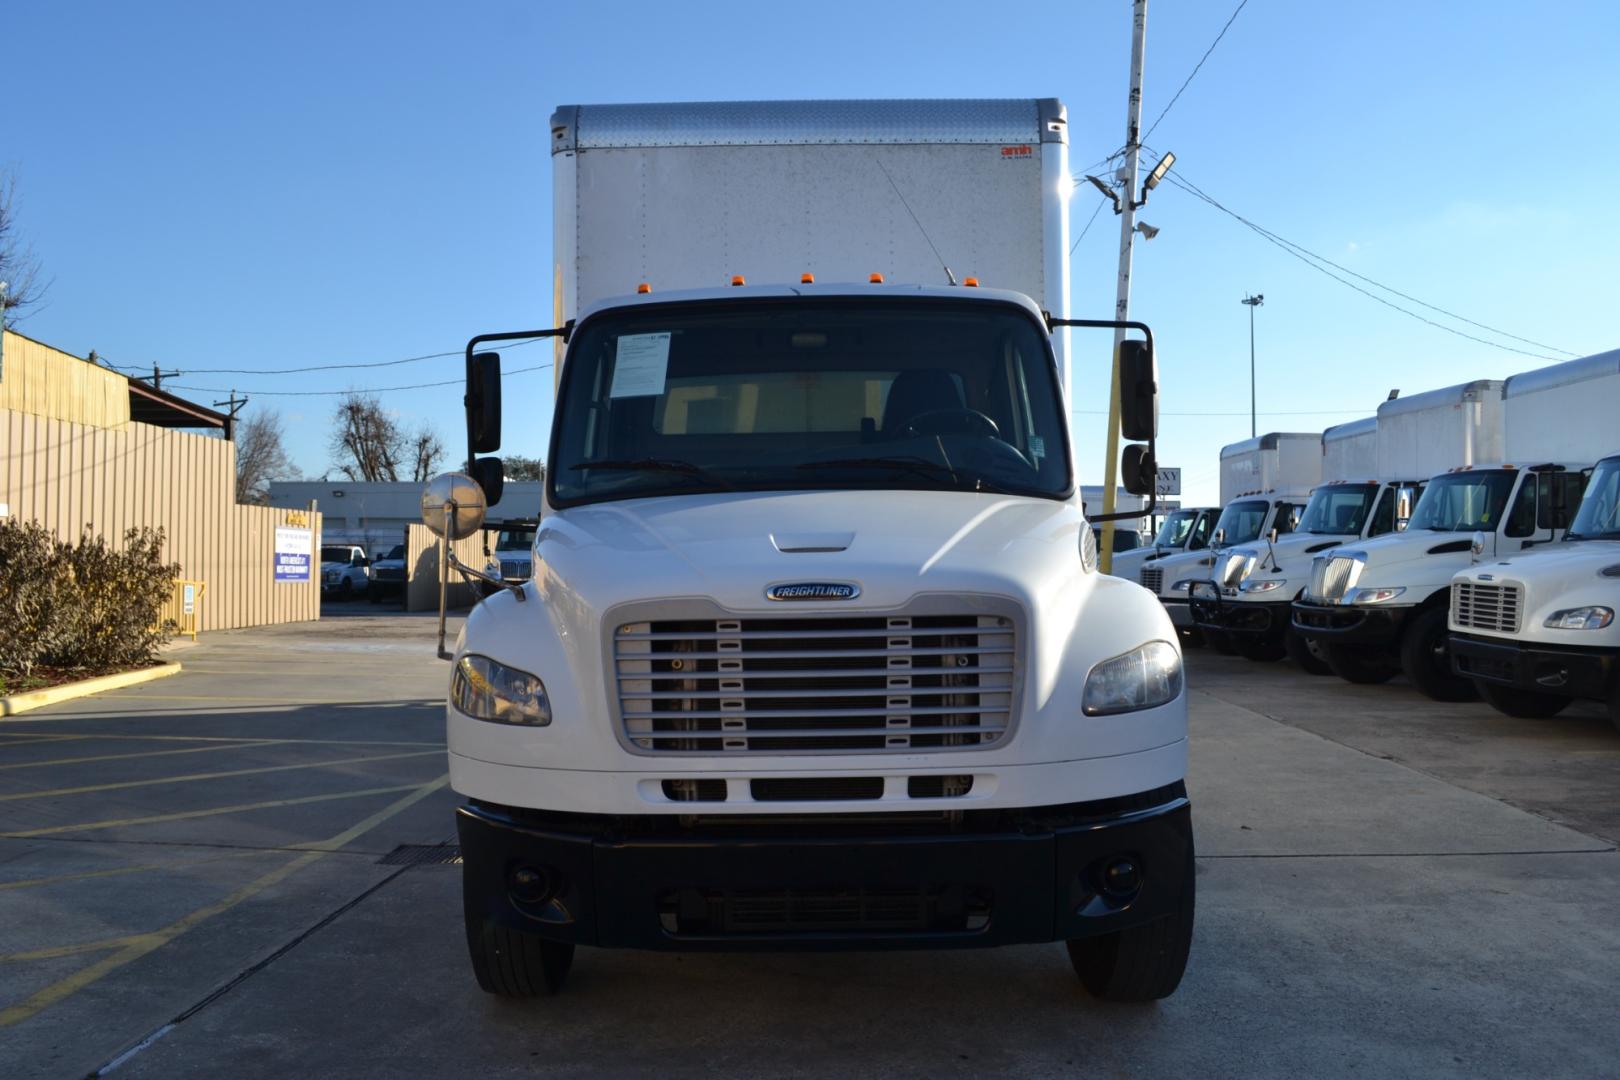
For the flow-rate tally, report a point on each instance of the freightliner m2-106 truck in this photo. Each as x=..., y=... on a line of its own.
x=1265, y=483
x=815, y=653
x=1249, y=596
x=1537, y=630
x=1504, y=478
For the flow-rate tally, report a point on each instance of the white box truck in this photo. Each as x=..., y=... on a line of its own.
x=1184, y=529
x=1537, y=630
x=816, y=653
x=1265, y=483
x=1251, y=588
x=1379, y=607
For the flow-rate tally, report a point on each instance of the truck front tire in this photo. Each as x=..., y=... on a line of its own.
x=1426, y=658
x=510, y=963
x=1304, y=654
x=1144, y=963
x=1365, y=667
x=1523, y=704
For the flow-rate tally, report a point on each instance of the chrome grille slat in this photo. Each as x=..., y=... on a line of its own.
x=1487, y=607
x=1152, y=578
x=883, y=684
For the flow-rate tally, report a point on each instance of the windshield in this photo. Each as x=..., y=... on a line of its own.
x=1173, y=533
x=396, y=552
x=810, y=395
x=1242, y=521
x=1463, y=502
x=1339, y=510
x=1599, y=515
x=514, y=539
x=336, y=554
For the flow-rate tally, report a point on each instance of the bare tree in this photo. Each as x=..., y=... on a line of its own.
x=517, y=467
x=367, y=442
x=20, y=284
x=261, y=456
x=426, y=452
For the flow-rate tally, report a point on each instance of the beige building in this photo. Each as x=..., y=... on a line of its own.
x=85, y=448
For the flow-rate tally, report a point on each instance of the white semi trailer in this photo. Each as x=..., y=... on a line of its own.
x=1265, y=483
x=1537, y=630
x=1501, y=471
x=816, y=653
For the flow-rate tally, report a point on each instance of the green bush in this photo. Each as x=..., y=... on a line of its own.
x=85, y=607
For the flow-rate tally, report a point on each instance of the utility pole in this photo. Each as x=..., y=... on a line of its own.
x=1122, y=302
x=159, y=376
x=235, y=405
x=1253, y=302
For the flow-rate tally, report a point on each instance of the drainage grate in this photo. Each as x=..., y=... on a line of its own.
x=423, y=855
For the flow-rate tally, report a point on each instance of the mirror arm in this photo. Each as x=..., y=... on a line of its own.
x=467, y=571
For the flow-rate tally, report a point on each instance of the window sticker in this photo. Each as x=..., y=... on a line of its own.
x=640, y=365
x=1037, y=447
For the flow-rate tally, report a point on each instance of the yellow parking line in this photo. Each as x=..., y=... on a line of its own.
x=141, y=944
x=190, y=777
x=237, y=739
x=226, y=697
x=28, y=739
x=118, y=871
x=136, y=754
x=56, y=951
x=211, y=812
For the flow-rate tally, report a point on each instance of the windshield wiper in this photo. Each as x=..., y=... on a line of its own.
x=910, y=464
x=685, y=468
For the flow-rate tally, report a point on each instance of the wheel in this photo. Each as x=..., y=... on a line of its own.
x=1362, y=666
x=1305, y=653
x=1262, y=650
x=511, y=963
x=1524, y=704
x=1220, y=641
x=1144, y=963
x=1426, y=658
x=345, y=589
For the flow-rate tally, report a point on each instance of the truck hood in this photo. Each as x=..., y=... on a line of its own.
x=1288, y=560
x=1558, y=576
x=731, y=547
x=1197, y=565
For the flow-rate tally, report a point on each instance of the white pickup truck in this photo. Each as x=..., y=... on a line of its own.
x=345, y=570
x=816, y=653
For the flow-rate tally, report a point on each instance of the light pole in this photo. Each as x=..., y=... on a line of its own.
x=1252, y=302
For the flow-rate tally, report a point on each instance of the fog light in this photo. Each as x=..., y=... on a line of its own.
x=1121, y=878
x=532, y=885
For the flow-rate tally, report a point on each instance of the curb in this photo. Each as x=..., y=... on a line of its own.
x=33, y=699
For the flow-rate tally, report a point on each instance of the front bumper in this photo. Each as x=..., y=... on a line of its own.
x=826, y=881
x=1545, y=669
x=1212, y=610
x=1180, y=617
x=1349, y=624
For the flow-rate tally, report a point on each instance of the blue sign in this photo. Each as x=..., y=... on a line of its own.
x=294, y=554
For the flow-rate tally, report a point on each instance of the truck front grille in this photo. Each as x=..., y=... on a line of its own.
x=1331, y=576
x=885, y=683
x=1486, y=607
x=512, y=568
x=1152, y=578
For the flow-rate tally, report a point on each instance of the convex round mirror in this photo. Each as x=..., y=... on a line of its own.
x=453, y=506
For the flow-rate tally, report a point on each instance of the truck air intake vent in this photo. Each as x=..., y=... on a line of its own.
x=816, y=788
x=1450, y=547
x=1152, y=578
x=1487, y=607
x=695, y=790
x=816, y=683
x=938, y=787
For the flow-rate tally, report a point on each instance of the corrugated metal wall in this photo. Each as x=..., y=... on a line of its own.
x=36, y=378
x=422, y=569
x=70, y=477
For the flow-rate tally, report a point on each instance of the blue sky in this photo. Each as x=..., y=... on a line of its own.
x=275, y=186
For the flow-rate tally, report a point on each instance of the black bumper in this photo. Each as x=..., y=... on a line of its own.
x=1579, y=673
x=996, y=878
x=1349, y=625
x=1212, y=610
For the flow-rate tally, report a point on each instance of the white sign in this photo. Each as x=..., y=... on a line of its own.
x=640, y=365
x=293, y=550
x=1169, y=481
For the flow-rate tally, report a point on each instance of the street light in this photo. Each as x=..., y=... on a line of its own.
x=1252, y=302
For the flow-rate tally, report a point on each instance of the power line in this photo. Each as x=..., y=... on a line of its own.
x=1100, y=204
x=322, y=367
x=1312, y=259
x=369, y=390
x=1245, y=412
x=1194, y=72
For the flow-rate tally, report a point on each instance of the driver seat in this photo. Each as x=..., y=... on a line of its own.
x=916, y=392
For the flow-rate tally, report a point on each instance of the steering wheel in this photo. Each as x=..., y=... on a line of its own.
x=951, y=422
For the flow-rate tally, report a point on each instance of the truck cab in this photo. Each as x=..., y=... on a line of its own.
x=816, y=653
x=1188, y=529
x=1252, y=586
x=1379, y=607
x=1537, y=630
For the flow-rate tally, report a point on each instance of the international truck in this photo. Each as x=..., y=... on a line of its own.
x=1501, y=470
x=815, y=653
x=1537, y=630
x=1248, y=597
x=1182, y=530
x=1283, y=467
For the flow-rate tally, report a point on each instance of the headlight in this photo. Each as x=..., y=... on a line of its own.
x=1262, y=586
x=1376, y=596
x=1580, y=618
x=1141, y=679
x=1088, y=549
x=1184, y=585
x=486, y=690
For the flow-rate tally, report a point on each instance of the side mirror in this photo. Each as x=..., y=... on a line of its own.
x=483, y=401
x=490, y=475
x=1138, y=392
x=1274, y=534
x=1137, y=470
x=1220, y=537
x=465, y=500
